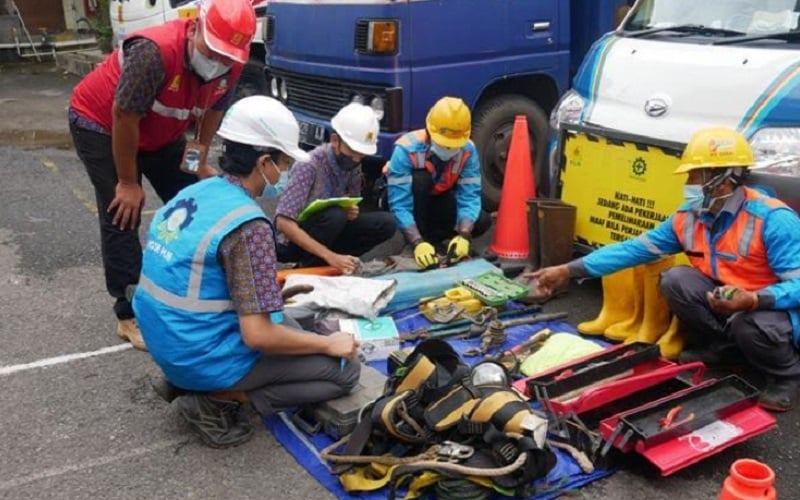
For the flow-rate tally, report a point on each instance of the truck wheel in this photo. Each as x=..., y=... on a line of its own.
x=252, y=81
x=492, y=127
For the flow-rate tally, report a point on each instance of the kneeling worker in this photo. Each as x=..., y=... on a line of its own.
x=208, y=302
x=434, y=185
x=336, y=235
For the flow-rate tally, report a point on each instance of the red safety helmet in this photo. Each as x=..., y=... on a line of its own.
x=228, y=27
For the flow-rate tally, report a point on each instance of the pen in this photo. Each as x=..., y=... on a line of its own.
x=342, y=363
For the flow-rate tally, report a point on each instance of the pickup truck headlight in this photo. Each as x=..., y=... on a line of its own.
x=568, y=110
x=777, y=150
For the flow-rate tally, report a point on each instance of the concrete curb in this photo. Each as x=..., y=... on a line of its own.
x=80, y=63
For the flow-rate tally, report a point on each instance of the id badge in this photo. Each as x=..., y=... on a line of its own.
x=193, y=156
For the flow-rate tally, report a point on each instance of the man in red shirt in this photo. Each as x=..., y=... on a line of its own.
x=129, y=117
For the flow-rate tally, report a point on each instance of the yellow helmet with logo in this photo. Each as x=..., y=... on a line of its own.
x=449, y=122
x=717, y=147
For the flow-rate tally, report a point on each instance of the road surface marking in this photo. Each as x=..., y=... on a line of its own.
x=57, y=360
x=89, y=464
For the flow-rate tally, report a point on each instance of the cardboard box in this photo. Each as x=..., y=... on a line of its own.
x=378, y=338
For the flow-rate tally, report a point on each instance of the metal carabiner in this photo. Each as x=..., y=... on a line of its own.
x=455, y=452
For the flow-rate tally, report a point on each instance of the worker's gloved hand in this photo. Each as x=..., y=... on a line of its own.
x=457, y=249
x=425, y=255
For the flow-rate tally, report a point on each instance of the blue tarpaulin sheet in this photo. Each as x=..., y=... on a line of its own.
x=566, y=475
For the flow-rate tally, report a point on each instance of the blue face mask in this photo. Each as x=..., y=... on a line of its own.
x=274, y=190
x=443, y=152
x=693, y=195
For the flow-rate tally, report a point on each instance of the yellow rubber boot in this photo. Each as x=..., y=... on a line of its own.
x=630, y=326
x=657, y=315
x=617, y=303
x=671, y=343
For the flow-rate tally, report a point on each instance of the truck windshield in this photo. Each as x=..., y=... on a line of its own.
x=712, y=18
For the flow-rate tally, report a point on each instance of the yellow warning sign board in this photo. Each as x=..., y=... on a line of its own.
x=620, y=189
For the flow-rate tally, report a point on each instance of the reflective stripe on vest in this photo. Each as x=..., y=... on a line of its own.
x=451, y=170
x=738, y=256
x=192, y=301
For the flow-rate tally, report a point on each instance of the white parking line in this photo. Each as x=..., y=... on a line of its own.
x=57, y=360
x=59, y=471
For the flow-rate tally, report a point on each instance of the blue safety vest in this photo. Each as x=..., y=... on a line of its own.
x=182, y=302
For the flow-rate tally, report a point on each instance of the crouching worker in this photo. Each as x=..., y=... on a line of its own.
x=208, y=302
x=740, y=300
x=335, y=236
x=434, y=185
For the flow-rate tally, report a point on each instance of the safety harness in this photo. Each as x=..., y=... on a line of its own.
x=436, y=420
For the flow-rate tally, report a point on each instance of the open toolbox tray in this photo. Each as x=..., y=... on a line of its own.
x=723, y=412
x=699, y=407
x=564, y=389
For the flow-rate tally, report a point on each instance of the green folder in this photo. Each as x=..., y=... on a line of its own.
x=317, y=205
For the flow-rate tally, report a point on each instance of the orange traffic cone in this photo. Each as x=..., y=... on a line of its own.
x=749, y=480
x=511, y=234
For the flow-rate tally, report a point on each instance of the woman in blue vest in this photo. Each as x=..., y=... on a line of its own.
x=208, y=302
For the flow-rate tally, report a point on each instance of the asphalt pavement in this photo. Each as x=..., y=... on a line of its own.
x=79, y=419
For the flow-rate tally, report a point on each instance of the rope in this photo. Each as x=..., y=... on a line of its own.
x=585, y=464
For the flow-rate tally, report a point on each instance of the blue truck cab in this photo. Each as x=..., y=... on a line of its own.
x=502, y=57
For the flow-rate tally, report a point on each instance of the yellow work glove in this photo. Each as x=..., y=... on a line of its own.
x=425, y=255
x=457, y=249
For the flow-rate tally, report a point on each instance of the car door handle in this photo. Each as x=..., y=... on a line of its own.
x=540, y=26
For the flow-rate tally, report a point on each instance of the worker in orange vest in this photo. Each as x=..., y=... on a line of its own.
x=434, y=185
x=740, y=300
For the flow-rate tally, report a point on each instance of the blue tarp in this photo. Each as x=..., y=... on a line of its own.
x=566, y=475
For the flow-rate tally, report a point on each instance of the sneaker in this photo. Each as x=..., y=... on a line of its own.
x=220, y=424
x=165, y=390
x=128, y=330
x=780, y=394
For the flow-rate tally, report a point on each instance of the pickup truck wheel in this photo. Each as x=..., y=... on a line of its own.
x=252, y=81
x=492, y=127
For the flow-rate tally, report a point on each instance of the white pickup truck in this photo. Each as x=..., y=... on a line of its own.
x=128, y=16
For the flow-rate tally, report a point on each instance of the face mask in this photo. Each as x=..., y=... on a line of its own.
x=274, y=190
x=206, y=68
x=443, y=152
x=346, y=163
x=693, y=195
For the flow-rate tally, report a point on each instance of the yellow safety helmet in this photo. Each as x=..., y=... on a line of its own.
x=449, y=122
x=716, y=147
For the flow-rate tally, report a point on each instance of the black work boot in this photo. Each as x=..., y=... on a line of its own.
x=220, y=424
x=780, y=394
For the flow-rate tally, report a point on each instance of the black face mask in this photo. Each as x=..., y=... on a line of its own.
x=346, y=163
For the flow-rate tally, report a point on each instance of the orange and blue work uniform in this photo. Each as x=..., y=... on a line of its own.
x=753, y=243
x=412, y=162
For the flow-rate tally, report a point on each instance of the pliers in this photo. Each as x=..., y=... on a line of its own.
x=669, y=420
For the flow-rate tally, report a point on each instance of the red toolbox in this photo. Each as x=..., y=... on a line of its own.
x=631, y=399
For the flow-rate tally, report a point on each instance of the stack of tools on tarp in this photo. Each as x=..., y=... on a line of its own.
x=443, y=425
x=628, y=398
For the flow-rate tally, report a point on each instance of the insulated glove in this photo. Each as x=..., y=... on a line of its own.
x=425, y=255
x=457, y=249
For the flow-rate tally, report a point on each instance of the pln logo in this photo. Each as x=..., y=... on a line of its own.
x=176, y=218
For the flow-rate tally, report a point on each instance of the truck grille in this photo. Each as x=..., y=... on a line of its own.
x=320, y=97
x=269, y=29
x=362, y=33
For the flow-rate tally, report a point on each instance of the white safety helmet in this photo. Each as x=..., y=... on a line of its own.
x=357, y=125
x=263, y=122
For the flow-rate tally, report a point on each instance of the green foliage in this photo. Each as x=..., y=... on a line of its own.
x=102, y=27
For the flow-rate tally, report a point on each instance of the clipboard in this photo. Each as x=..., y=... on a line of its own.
x=321, y=204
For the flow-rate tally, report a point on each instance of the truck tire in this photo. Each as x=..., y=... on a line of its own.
x=491, y=132
x=253, y=81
